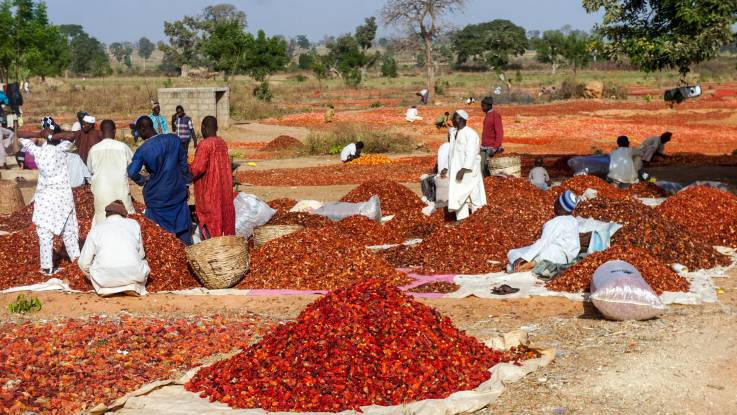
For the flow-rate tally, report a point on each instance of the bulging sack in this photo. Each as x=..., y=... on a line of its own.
x=597, y=165
x=341, y=210
x=619, y=292
x=250, y=212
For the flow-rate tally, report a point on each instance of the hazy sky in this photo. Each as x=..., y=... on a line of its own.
x=128, y=20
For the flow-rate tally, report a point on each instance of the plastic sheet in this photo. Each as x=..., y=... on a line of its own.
x=341, y=210
x=619, y=292
x=596, y=165
x=250, y=212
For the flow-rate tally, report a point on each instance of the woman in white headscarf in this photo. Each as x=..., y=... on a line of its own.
x=466, y=188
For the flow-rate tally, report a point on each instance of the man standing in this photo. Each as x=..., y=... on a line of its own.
x=53, y=210
x=184, y=128
x=160, y=124
x=108, y=161
x=6, y=139
x=466, y=188
x=165, y=188
x=492, y=135
x=113, y=256
x=85, y=138
x=213, y=183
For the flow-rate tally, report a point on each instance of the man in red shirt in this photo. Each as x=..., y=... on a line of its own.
x=492, y=135
x=83, y=139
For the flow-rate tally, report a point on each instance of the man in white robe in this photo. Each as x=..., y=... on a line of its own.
x=6, y=139
x=466, y=188
x=412, y=115
x=559, y=243
x=113, y=256
x=108, y=161
x=53, y=212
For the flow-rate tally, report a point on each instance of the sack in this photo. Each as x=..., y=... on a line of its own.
x=306, y=206
x=597, y=165
x=341, y=210
x=441, y=191
x=619, y=292
x=428, y=188
x=250, y=212
x=670, y=188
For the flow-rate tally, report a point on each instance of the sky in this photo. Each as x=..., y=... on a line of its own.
x=128, y=20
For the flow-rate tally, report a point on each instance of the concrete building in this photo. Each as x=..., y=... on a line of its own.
x=198, y=103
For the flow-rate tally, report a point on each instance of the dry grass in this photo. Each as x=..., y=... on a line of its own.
x=339, y=135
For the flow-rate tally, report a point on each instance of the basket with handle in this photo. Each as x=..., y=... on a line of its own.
x=11, y=199
x=264, y=234
x=220, y=262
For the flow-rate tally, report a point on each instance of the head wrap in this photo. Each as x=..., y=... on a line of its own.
x=76, y=126
x=568, y=201
x=47, y=123
x=463, y=114
x=155, y=104
x=89, y=119
x=116, y=208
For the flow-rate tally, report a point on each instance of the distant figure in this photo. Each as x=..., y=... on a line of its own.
x=113, y=257
x=622, y=171
x=424, y=95
x=108, y=161
x=26, y=87
x=184, y=128
x=330, y=114
x=165, y=188
x=443, y=121
x=213, y=183
x=470, y=100
x=160, y=124
x=6, y=138
x=466, y=187
x=653, y=147
x=539, y=176
x=351, y=152
x=413, y=115
x=492, y=135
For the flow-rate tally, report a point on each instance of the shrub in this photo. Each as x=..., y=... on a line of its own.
x=352, y=78
x=300, y=78
x=614, y=90
x=441, y=86
x=263, y=92
x=375, y=104
x=389, y=67
x=341, y=134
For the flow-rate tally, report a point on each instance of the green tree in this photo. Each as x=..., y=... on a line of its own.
x=320, y=68
x=662, y=34
x=226, y=47
x=346, y=58
x=88, y=55
x=366, y=33
x=303, y=42
x=118, y=51
x=145, y=49
x=490, y=44
x=389, y=67
x=184, y=44
x=265, y=56
x=576, y=50
x=306, y=60
x=550, y=48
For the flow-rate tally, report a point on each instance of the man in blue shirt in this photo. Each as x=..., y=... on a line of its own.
x=160, y=124
x=165, y=188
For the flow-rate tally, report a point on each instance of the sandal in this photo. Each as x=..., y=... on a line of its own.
x=504, y=290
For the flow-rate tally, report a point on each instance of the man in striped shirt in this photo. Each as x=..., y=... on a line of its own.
x=184, y=127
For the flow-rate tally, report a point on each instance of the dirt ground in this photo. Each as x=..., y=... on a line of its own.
x=680, y=363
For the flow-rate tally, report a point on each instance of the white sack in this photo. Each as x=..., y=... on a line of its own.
x=619, y=292
x=341, y=210
x=250, y=212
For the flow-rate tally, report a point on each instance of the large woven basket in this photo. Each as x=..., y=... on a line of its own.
x=220, y=262
x=11, y=199
x=509, y=165
x=264, y=234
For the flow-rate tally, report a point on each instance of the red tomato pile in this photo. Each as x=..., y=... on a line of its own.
x=442, y=287
x=394, y=197
x=74, y=365
x=283, y=142
x=308, y=220
x=704, y=211
x=284, y=204
x=83, y=201
x=316, y=259
x=645, y=228
x=660, y=278
x=364, y=231
x=413, y=224
x=361, y=345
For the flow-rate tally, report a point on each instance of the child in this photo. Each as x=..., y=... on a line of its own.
x=539, y=176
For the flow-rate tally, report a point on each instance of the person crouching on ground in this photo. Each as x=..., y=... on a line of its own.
x=538, y=176
x=351, y=152
x=413, y=114
x=466, y=188
x=559, y=244
x=113, y=257
x=622, y=171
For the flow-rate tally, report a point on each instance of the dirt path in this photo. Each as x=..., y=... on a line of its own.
x=256, y=132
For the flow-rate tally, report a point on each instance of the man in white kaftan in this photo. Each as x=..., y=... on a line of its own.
x=466, y=188
x=53, y=212
x=6, y=139
x=108, y=161
x=113, y=256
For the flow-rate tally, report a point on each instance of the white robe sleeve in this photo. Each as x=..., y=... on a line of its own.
x=88, y=253
x=471, y=150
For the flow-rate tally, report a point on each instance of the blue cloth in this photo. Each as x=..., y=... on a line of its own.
x=4, y=98
x=160, y=124
x=165, y=189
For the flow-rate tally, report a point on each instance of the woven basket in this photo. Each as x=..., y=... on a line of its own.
x=219, y=262
x=11, y=199
x=510, y=166
x=264, y=234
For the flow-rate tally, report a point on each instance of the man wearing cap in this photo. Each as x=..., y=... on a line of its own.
x=108, y=162
x=165, y=188
x=466, y=188
x=160, y=124
x=213, y=183
x=559, y=243
x=85, y=138
x=113, y=257
x=54, y=212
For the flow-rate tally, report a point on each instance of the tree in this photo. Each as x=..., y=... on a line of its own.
x=662, y=34
x=184, y=43
x=221, y=13
x=265, y=56
x=118, y=51
x=489, y=44
x=550, y=48
x=88, y=55
x=145, y=49
x=226, y=47
x=423, y=18
x=306, y=60
x=345, y=58
x=576, y=50
x=366, y=33
x=389, y=67
x=303, y=42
